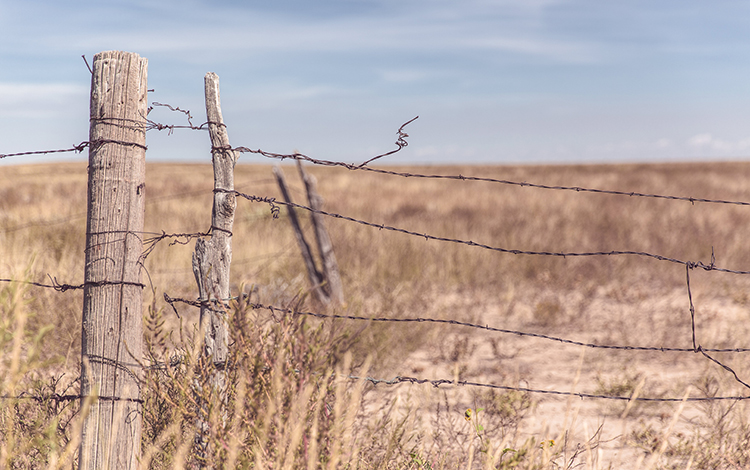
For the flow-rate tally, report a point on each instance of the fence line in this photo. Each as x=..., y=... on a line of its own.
x=272, y=309
x=437, y=383
x=400, y=143
x=183, y=238
x=60, y=287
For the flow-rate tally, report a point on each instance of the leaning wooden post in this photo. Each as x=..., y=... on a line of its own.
x=325, y=247
x=112, y=330
x=211, y=259
x=316, y=277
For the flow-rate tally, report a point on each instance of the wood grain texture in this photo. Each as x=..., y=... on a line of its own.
x=212, y=260
x=112, y=332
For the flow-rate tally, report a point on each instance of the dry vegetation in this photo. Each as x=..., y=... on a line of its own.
x=288, y=406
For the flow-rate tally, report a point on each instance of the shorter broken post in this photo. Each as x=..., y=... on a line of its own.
x=315, y=276
x=325, y=247
x=326, y=284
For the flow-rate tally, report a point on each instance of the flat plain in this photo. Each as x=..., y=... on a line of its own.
x=508, y=257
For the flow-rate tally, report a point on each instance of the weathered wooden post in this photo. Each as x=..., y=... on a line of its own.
x=326, y=283
x=325, y=247
x=313, y=274
x=112, y=331
x=212, y=259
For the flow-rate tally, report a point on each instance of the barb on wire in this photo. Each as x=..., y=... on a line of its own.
x=400, y=143
x=151, y=125
x=53, y=284
x=426, y=236
x=438, y=382
x=460, y=177
x=78, y=148
x=179, y=239
x=68, y=397
x=66, y=287
x=271, y=201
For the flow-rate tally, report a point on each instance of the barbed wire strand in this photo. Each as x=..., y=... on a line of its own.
x=273, y=309
x=273, y=202
x=401, y=143
x=460, y=177
x=438, y=382
x=78, y=148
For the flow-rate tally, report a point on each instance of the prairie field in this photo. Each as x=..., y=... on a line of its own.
x=295, y=399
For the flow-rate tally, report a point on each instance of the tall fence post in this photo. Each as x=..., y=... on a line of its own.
x=112, y=332
x=212, y=259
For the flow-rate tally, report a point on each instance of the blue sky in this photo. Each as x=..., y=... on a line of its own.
x=504, y=81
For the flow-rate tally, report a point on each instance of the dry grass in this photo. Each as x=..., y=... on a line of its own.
x=287, y=414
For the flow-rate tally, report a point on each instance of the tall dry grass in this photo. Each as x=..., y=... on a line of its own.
x=290, y=405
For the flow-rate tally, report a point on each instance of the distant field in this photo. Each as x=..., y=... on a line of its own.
x=625, y=300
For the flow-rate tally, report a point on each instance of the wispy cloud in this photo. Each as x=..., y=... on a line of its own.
x=39, y=100
x=706, y=142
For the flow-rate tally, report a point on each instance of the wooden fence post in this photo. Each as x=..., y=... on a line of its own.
x=112, y=332
x=212, y=259
x=325, y=246
x=326, y=284
x=314, y=275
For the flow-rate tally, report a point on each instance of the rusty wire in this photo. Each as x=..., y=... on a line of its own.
x=78, y=148
x=273, y=310
x=689, y=264
x=440, y=382
x=460, y=177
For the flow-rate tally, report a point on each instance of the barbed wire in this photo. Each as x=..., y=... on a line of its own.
x=273, y=202
x=397, y=380
x=146, y=125
x=460, y=177
x=273, y=309
x=401, y=143
x=184, y=238
x=439, y=382
x=63, y=287
x=150, y=243
x=78, y=148
x=53, y=284
x=152, y=125
x=66, y=287
x=67, y=397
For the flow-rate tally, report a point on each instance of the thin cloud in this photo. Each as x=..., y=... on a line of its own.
x=708, y=143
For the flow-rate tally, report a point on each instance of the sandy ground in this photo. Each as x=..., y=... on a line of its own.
x=601, y=318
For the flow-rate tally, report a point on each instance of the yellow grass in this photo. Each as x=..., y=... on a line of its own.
x=314, y=423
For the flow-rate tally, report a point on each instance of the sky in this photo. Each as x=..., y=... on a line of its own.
x=503, y=81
